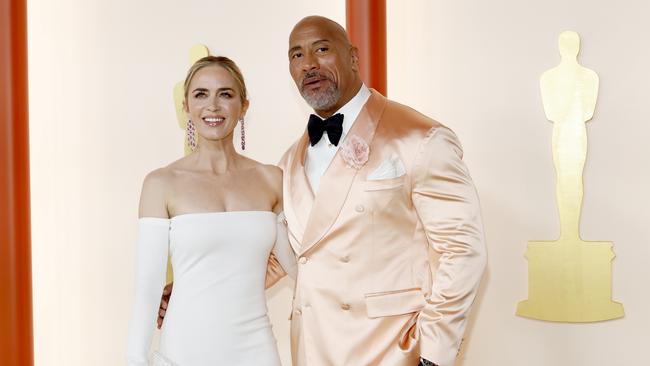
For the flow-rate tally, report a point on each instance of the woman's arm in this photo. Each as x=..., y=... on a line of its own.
x=282, y=259
x=151, y=267
x=282, y=250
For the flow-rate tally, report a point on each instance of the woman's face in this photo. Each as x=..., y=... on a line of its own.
x=214, y=103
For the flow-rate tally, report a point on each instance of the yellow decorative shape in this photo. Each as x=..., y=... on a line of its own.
x=569, y=280
x=196, y=52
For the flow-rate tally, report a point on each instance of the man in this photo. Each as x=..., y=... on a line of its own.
x=366, y=192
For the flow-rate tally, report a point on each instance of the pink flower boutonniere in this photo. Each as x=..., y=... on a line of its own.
x=355, y=151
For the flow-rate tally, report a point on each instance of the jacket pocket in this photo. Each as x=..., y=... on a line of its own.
x=397, y=302
x=384, y=184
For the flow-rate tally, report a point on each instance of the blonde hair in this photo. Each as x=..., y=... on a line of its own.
x=222, y=61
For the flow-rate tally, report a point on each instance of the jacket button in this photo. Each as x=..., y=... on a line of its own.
x=345, y=259
x=302, y=260
x=345, y=306
x=359, y=208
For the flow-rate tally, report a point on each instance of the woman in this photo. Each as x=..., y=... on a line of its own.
x=215, y=212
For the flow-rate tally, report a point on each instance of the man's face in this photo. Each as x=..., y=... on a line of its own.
x=323, y=66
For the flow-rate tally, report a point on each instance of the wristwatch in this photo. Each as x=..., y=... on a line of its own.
x=424, y=362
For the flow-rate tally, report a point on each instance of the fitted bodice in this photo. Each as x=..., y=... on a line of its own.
x=217, y=313
x=218, y=251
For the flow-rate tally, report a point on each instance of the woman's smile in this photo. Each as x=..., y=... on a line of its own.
x=214, y=121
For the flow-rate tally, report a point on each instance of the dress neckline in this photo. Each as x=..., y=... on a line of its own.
x=217, y=213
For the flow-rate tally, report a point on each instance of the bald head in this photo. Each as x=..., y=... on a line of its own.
x=323, y=63
x=326, y=24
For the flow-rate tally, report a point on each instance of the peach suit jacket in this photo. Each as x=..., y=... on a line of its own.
x=367, y=291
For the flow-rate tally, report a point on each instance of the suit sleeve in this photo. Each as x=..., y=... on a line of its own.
x=151, y=269
x=448, y=209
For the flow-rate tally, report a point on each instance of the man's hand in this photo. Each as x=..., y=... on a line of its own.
x=164, y=301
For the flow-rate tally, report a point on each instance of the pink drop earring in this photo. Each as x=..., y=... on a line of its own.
x=243, y=134
x=191, y=135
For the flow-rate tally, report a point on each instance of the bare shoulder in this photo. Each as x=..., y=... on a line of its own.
x=155, y=189
x=273, y=175
x=271, y=179
x=157, y=179
x=273, y=171
x=266, y=170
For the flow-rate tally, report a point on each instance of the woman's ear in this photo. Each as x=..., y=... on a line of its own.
x=244, y=108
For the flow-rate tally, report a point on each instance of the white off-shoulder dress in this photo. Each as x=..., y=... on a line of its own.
x=217, y=314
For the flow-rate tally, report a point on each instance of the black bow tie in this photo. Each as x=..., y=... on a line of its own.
x=333, y=125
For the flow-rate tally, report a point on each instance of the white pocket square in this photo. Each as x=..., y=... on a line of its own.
x=389, y=168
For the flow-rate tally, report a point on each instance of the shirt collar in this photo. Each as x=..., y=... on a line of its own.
x=352, y=108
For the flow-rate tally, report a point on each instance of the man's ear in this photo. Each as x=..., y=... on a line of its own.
x=354, y=58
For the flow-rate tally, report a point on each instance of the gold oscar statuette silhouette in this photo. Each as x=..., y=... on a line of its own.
x=569, y=280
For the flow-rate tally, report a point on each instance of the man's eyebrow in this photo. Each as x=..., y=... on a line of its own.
x=297, y=48
x=294, y=49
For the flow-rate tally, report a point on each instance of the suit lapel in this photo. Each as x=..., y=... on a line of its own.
x=298, y=195
x=336, y=182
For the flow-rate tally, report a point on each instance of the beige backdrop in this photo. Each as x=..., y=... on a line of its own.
x=101, y=78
